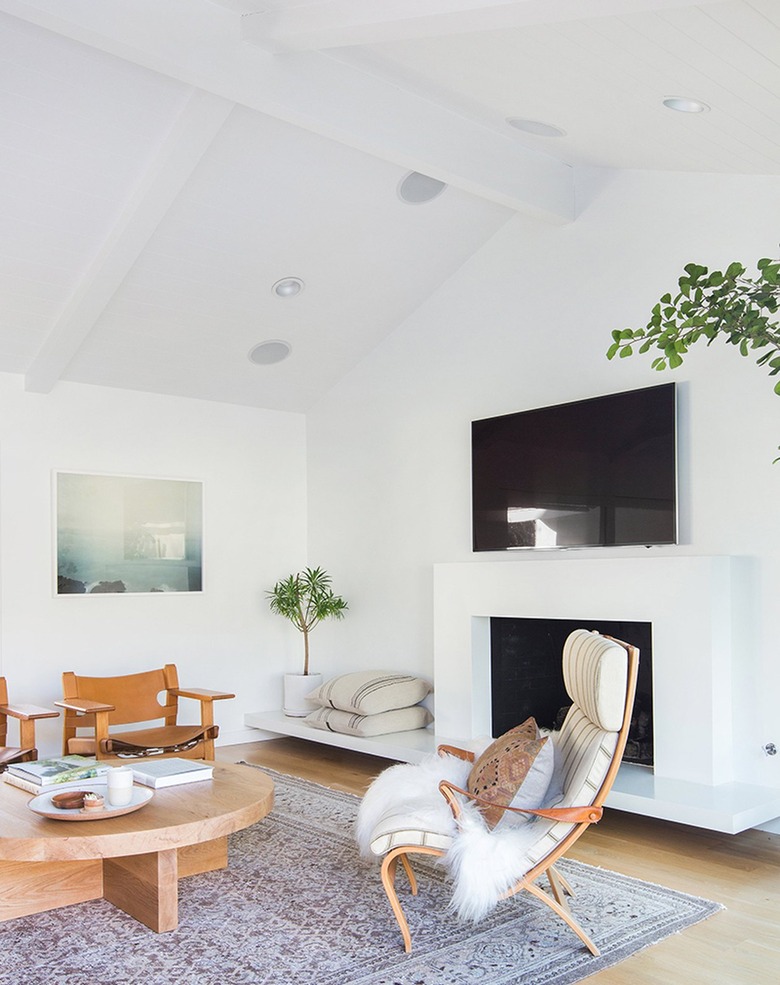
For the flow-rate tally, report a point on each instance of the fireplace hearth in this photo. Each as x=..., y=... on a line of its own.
x=526, y=677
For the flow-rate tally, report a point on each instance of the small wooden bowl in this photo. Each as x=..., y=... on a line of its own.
x=68, y=800
x=94, y=802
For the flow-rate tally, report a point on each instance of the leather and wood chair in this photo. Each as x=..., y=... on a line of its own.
x=401, y=813
x=101, y=704
x=26, y=716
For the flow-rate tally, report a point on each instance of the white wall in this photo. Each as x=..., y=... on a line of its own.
x=252, y=464
x=524, y=323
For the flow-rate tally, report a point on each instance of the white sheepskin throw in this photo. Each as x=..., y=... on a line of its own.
x=415, y=787
x=483, y=863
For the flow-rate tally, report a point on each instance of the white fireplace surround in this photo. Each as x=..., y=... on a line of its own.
x=696, y=637
x=686, y=599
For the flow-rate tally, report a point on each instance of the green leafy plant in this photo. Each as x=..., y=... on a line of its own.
x=306, y=599
x=712, y=304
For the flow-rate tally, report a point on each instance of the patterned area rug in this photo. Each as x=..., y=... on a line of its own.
x=297, y=906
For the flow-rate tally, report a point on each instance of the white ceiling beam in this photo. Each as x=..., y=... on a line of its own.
x=344, y=23
x=200, y=43
x=194, y=130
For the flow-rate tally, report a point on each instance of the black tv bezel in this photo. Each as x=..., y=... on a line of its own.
x=670, y=388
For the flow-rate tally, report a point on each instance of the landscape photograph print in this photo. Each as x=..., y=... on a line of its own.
x=119, y=534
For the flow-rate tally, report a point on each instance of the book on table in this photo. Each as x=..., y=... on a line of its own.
x=58, y=773
x=169, y=772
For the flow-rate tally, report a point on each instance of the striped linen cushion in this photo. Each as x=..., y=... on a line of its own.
x=595, y=671
x=371, y=692
x=596, y=674
x=399, y=828
x=347, y=723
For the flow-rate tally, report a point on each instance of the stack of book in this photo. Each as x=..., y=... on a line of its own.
x=61, y=773
x=168, y=772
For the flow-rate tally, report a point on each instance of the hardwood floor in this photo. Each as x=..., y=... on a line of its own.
x=738, y=946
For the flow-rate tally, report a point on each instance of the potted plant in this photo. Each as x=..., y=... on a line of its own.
x=305, y=599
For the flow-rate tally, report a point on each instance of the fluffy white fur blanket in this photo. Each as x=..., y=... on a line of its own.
x=483, y=864
x=410, y=791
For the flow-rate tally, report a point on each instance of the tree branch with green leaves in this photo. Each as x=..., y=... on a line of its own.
x=710, y=304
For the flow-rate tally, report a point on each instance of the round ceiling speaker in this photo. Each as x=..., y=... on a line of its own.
x=416, y=188
x=536, y=127
x=684, y=104
x=288, y=287
x=270, y=352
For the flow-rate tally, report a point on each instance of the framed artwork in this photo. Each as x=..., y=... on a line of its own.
x=118, y=534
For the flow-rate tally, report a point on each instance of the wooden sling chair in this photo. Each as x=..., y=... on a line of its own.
x=600, y=677
x=99, y=704
x=26, y=715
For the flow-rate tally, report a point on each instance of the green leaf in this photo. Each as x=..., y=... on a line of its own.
x=675, y=361
x=772, y=274
x=695, y=270
x=626, y=351
x=777, y=387
x=612, y=350
x=735, y=270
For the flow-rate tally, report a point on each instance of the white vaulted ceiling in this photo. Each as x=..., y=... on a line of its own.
x=164, y=162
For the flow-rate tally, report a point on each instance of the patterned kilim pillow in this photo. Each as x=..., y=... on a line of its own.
x=515, y=770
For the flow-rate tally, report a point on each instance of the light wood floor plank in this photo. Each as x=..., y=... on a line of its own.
x=738, y=946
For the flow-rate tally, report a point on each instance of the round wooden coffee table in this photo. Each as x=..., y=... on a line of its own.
x=135, y=860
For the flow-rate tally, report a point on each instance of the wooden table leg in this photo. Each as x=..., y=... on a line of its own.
x=34, y=887
x=146, y=887
x=207, y=856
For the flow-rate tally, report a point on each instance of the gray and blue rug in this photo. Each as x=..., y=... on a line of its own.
x=297, y=906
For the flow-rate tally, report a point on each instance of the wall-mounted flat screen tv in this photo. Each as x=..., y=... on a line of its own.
x=592, y=473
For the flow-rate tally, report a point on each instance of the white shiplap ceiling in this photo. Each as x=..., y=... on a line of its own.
x=164, y=162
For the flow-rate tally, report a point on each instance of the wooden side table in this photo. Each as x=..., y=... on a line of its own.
x=134, y=861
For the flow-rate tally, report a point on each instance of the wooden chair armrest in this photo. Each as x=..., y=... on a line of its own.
x=84, y=705
x=570, y=815
x=464, y=754
x=27, y=712
x=199, y=694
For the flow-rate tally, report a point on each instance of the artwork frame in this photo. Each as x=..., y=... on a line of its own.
x=126, y=534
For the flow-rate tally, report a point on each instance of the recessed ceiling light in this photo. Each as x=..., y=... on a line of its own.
x=270, y=352
x=684, y=104
x=536, y=127
x=288, y=287
x=415, y=188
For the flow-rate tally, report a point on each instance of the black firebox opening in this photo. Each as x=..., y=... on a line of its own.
x=527, y=679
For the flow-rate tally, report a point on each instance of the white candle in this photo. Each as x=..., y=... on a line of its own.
x=119, y=781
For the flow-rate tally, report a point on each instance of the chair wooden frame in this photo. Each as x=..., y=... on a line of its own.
x=26, y=715
x=100, y=703
x=582, y=817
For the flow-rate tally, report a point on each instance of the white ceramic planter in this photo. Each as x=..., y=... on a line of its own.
x=296, y=687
